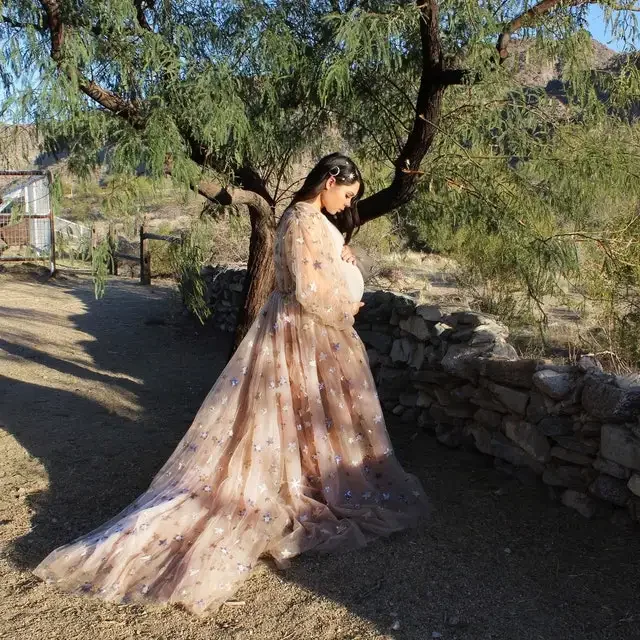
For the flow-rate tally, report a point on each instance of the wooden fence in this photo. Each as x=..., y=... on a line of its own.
x=144, y=257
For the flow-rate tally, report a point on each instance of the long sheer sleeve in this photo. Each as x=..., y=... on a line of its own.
x=313, y=262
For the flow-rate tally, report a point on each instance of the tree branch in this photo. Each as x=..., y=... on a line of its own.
x=258, y=197
x=251, y=181
x=107, y=99
x=260, y=279
x=216, y=192
x=434, y=80
x=419, y=140
x=524, y=20
x=450, y=77
x=530, y=17
x=56, y=28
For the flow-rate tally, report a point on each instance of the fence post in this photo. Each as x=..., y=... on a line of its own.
x=52, y=242
x=145, y=258
x=52, y=222
x=94, y=239
x=113, y=262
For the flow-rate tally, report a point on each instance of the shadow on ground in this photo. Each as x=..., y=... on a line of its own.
x=142, y=353
x=497, y=559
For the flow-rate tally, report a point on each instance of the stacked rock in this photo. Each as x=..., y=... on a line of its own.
x=453, y=373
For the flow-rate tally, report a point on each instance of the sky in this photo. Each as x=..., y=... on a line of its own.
x=596, y=27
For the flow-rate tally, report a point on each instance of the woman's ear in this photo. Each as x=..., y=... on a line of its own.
x=330, y=182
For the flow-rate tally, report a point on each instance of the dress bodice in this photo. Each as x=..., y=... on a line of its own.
x=331, y=242
x=352, y=275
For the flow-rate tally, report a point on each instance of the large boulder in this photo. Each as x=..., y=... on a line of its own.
x=604, y=399
x=617, y=443
x=554, y=384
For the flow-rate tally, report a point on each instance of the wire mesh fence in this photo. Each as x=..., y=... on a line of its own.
x=73, y=241
x=27, y=228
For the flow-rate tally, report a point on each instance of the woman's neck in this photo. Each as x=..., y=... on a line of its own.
x=316, y=203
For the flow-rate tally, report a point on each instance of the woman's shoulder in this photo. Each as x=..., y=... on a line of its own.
x=302, y=213
x=304, y=209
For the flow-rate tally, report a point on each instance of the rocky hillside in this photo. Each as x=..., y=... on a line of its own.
x=532, y=72
x=21, y=148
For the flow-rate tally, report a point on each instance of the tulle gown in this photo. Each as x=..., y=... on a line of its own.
x=289, y=452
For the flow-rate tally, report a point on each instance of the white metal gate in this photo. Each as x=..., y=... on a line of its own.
x=27, y=229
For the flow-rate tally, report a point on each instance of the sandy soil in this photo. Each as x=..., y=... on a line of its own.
x=94, y=395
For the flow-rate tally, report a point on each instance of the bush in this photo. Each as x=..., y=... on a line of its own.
x=561, y=229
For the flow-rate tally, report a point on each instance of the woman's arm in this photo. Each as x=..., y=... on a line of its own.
x=311, y=258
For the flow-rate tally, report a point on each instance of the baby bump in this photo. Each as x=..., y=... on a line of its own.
x=354, y=281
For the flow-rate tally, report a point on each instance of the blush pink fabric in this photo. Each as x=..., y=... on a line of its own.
x=288, y=453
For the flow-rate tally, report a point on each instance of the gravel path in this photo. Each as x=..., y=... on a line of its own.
x=94, y=395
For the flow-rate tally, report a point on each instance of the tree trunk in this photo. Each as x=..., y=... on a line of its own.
x=260, y=279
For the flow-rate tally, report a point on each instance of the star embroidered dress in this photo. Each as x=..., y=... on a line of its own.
x=288, y=453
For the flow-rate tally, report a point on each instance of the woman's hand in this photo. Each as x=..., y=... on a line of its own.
x=356, y=307
x=348, y=255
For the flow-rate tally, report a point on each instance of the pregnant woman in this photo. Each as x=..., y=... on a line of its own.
x=289, y=451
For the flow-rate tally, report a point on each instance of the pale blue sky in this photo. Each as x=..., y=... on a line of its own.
x=596, y=27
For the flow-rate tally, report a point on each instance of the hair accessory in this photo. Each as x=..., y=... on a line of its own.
x=351, y=177
x=334, y=171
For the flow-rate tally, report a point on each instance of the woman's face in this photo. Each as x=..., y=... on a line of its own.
x=337, y=197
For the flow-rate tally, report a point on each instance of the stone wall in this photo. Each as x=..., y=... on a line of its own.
x=453, y=373
x=224, y=293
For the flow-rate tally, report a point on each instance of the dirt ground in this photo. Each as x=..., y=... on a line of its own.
x=94, y=395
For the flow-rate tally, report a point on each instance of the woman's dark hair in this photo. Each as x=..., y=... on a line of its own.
x=345, y=171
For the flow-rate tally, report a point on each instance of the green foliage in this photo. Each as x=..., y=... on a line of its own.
x=71, y=249
x=124, y=195
x=222, y=233
x=526, y=190
x=249, y=81
x=260, y=83
x=559, y=226
x=17, y=212
x=219, y=239
x=187, y=260
x=101, y=260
